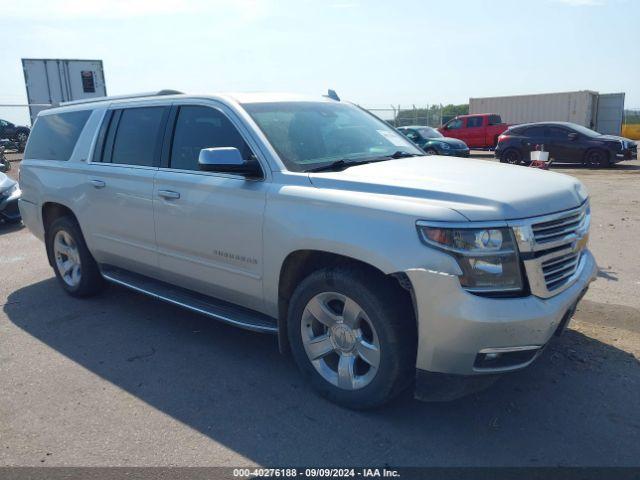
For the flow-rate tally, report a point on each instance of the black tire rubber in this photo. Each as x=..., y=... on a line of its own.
x=91, y=281
x=596, y=158
x=390, y=312
x=21, y=143
x=431, y=151
x=514, y=153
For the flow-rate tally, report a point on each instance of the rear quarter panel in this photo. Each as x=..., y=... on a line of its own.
x=58, y=181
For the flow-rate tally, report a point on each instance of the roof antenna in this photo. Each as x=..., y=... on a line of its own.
x=333, y=95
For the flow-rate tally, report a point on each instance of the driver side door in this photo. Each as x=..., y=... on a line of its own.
x=565, y=145
x=454, y=129
x=208, y=224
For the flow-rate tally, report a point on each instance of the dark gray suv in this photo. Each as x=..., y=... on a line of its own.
x=566, y=143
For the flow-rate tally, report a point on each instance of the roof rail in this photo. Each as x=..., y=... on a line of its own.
x=122, y=97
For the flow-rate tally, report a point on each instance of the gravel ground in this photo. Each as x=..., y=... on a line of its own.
x=121, y=379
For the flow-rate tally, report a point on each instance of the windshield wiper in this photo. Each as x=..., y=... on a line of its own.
x=403, y=154
x=339, y=165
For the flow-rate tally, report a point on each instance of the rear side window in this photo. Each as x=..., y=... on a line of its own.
x=559, y=133
x=535, y=132
x=495, y=120
x=54, y=136
x=138, y=134
x=200, y=127
x=473, y=122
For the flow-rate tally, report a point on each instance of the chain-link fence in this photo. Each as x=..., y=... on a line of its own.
x=431, y=115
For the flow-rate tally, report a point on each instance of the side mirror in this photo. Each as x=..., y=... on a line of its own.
x=227, y=160
x=573, y=136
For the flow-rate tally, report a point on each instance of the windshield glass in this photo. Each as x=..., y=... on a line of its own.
x=428, y=132
x=309, y=134
x=585, y=131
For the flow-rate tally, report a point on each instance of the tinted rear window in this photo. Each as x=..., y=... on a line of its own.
x=54, y=136
x=473, y=122
x=535, y=131
x=495, y=120
x=138, y=136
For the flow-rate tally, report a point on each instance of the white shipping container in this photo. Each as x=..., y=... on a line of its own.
x=52, y=81
x=577, y=107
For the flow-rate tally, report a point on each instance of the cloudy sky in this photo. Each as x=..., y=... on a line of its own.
x=376, y=53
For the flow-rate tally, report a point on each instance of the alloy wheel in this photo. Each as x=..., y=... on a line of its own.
x=595, y=158
x=67, y=258
x=512, y=157
x=340, y=341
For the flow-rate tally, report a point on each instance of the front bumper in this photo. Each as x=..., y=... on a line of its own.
x=455, y=327
x=626, y=154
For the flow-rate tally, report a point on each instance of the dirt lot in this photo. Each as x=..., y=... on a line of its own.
x=124, y=380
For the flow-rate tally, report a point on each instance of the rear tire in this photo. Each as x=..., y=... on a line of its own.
x=512, y=156
x=378, y=354
x=596, y=158
x=431, y=151
x=72, y=262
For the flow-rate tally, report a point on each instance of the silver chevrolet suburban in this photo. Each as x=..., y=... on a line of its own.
x=378, y=267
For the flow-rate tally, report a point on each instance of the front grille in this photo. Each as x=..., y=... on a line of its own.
x=559, y=270
x=558, y=228
x=552, y=248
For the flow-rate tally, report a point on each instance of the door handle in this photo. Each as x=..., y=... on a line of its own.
x=168, y=194
x=98, y=183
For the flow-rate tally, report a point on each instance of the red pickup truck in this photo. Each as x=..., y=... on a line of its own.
x=477, y=131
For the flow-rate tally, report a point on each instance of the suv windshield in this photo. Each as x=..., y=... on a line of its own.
x=428, y=132
x=307, y=135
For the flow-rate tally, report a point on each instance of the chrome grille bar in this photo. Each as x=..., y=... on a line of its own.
x=551, y=247
x=571, y=265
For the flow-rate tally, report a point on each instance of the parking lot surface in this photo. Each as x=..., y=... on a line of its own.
x=121, y=379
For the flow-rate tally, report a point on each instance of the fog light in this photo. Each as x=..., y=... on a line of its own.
x=509, y=357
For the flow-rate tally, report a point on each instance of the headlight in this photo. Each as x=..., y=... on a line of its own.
x=487, y=257
x=444, y=146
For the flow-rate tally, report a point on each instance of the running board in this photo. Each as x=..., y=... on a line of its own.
x=196, y=302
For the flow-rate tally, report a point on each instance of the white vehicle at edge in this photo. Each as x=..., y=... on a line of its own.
x=311, y=219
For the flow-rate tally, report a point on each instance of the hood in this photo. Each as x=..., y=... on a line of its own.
x=453, y=142
x=613, y=138
x=478, y=189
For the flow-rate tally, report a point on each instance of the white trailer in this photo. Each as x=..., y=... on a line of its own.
x=588, y=108
x=52, y=81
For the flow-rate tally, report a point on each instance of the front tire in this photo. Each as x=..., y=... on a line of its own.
x=72, y=262
x=431, y=151
x=22, y=137
x=353, y=336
